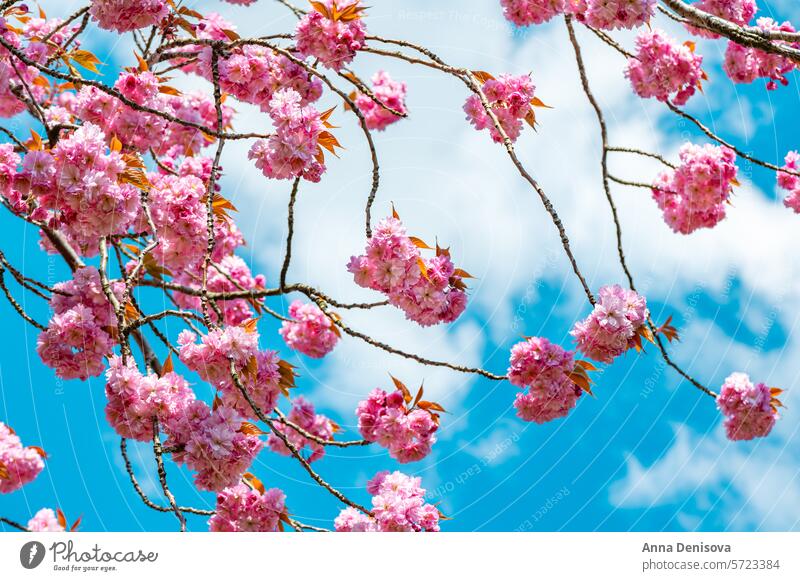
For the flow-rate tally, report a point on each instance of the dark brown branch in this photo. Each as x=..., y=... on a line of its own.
x=162, y=476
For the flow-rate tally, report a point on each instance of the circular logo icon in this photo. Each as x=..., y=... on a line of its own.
x=31, y=554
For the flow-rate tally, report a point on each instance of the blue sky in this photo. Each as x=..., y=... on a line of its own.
x=647, y=453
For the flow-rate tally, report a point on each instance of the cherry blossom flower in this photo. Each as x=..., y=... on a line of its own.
x=19, y=465
x=45, y=521
x=333, y=32
x=791, y=182
x=408, y=433
x=510, y=98
x=662, y=67
x=294, y=149
x=82, y=329
x=429, y=291
x=391, y=93
x=310, y=331
x=544, y=368
x=213, y=443
x=615, y=325
x=745, y=64
x=750, y=409
x=398, y=505
x=241, y=508
x=695, y=194
x=612, y=14
x=135, y=400
x=526, y=12
x=739, y=12
x=125, y=15
x=303, y=415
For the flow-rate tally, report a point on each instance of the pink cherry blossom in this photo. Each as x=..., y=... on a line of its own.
x=45, y=521
x=28, y=39
x=393, y=265
x=310, y=331
x=212, y=443
x=525, y=12
x=75, y=188
x=510, y=100
x=746, y=64
x=391, y=93
x=19, y=465
x=662, y=67
x=749, y=408
x=543, y=368
x=739, y=12
x=385, y=418
x=329, y=37
x=293, y=150
x=125, y=15
x=398, y=505
x=303, y=414
x=252, y=73
x=612, y=14
x=231, y=274
x=83, y=327
x=613, y=326
x=241, y=508
x=262, y=373
x=694, y=195
x=134, y=400
x=791, y=182
x=179, y=211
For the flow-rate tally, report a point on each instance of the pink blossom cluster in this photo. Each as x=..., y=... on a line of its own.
x=258, y=371
x=10, y=105
x=663, y=67
x=18, y=464
x=135, y=400
x=241, y=508
x=231, y=274
x=74, y=188
x=310, y=331
x=45, y=521
x=303, y=415
x=408, y=434
x=210, y=441
x=739, y=12
x=28, y=40
x=125, y=15
x=694, y=195
x=510, y=99
x=82, y=330
x=748, y=408
x=791, y=182
x=213, y=443
x=613, y=326
x=398, y=505
x=196, y=108
x=137, y=130
x=293, y=150
x=389, y=92
x=525, y=12
x=252, y=73
x=612, y=14
x=179, y=211
x=746, y=64
x=241, y=2
x=332, y=33
x=429, y=291
x=544, y=368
